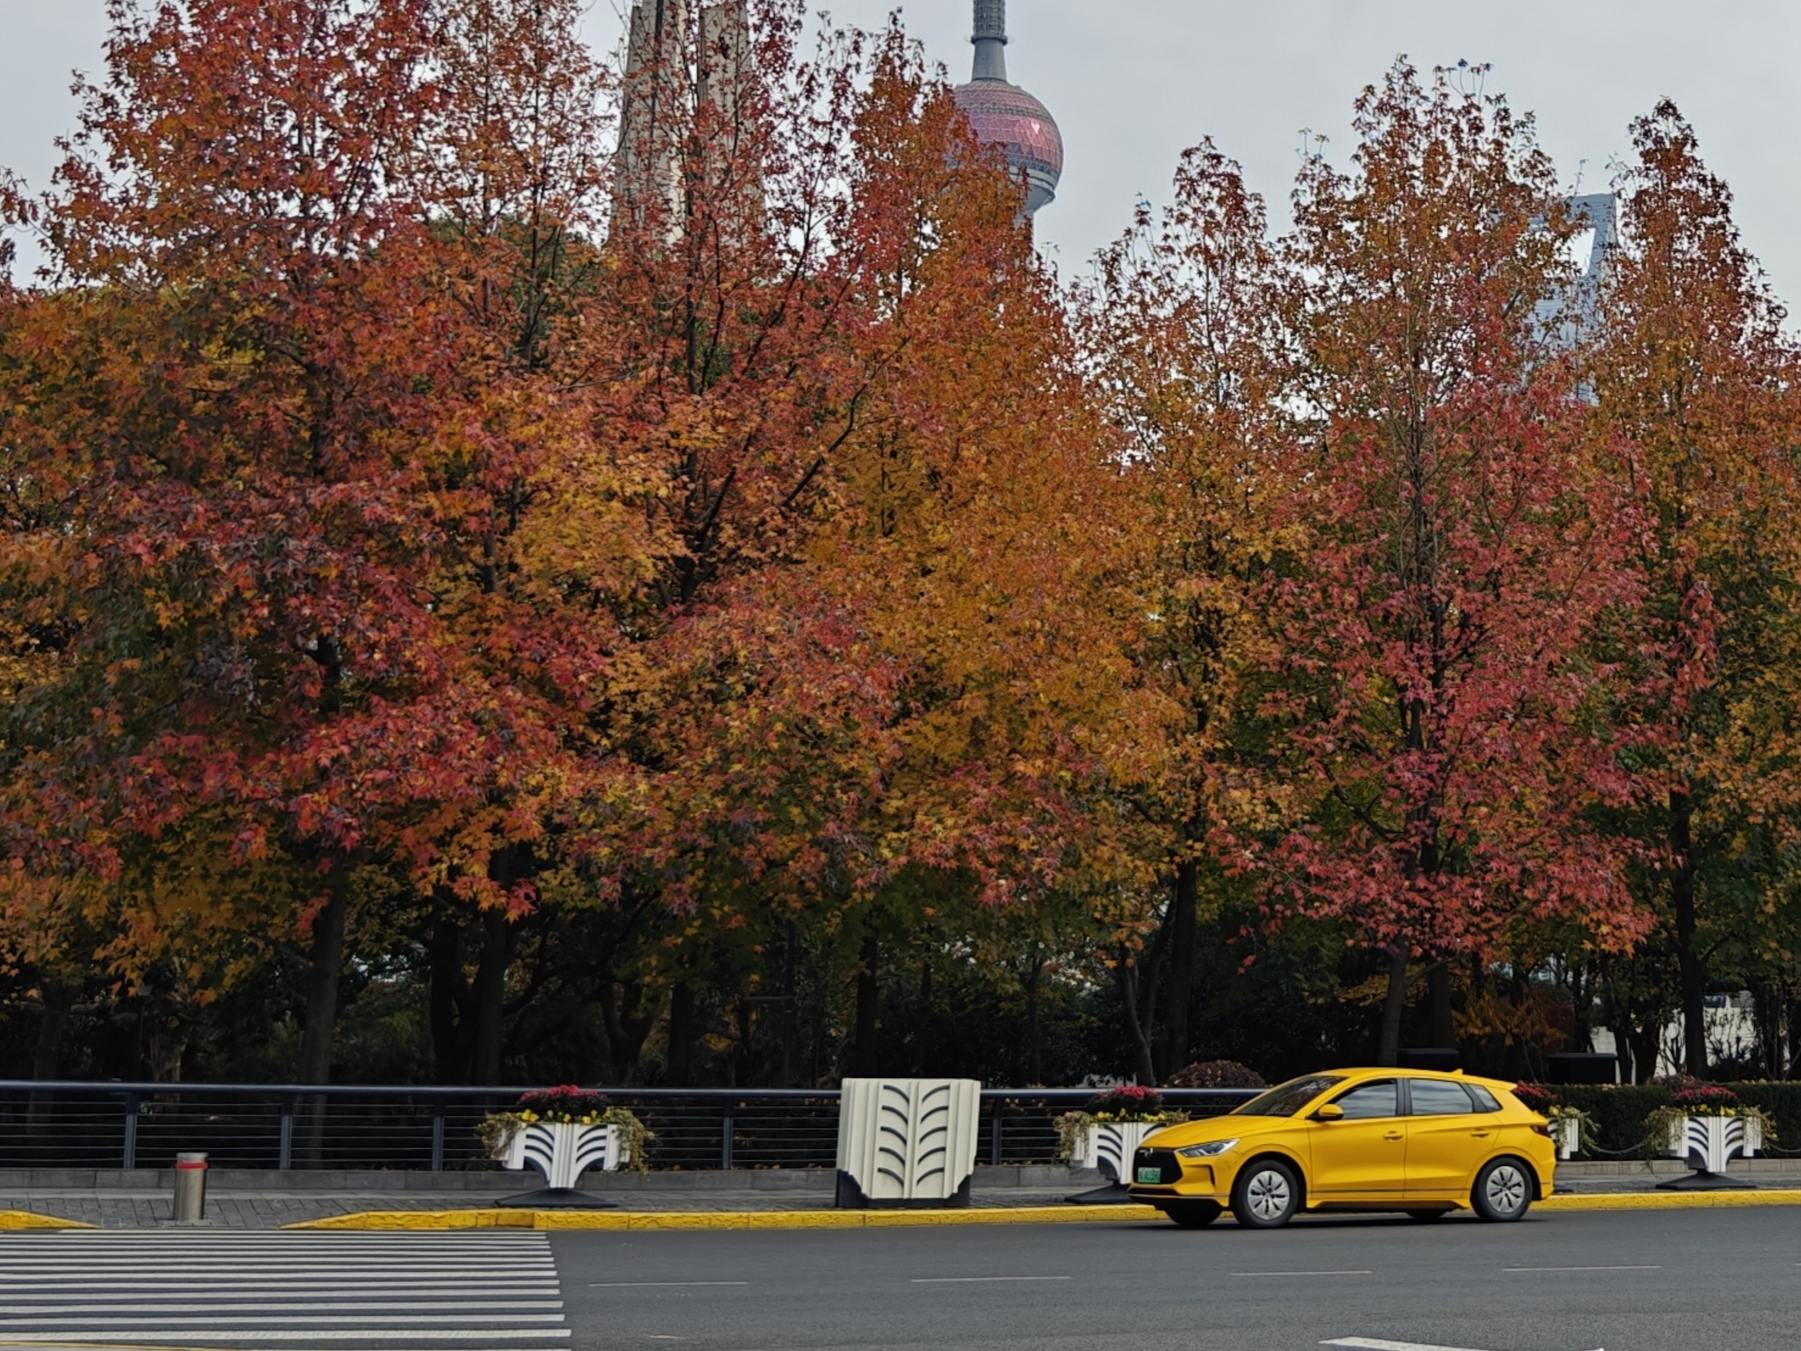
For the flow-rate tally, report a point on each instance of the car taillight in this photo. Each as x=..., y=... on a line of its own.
x=1541, y=1128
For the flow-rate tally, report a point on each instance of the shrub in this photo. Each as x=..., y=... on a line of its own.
x=1129, y=1103
x=1216, y=1074
x=1704, y=1100
x=566, y=1102
x=1536, y=1097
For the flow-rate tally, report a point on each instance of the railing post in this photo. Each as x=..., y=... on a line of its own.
x=130, y=1159
x=726, y=1129
x=437, y=1136
x=994, y=1133
x=285, y=1159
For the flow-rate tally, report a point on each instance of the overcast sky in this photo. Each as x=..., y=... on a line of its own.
x=1131, y=82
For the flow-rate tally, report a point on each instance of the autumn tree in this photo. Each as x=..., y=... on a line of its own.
x=1439, y=719
x=1694, y=377
x=1182, y=336
x=240, y=377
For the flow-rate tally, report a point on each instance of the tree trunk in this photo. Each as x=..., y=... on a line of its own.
x=1644, y=1046
x=1034, y=1034
x=490, y=996
x=1183, y=926
x=1146, y=1070
x=628, y=1019
x=922, y=1023
x=1389, y=1052
x=1688, y=960
x=1438, y=991
x=321, y=1016
x=59, y=1003
x=322, y=987
x=866, y=1057
x=448, y=993
x=790, y=1005
x=684, y=1035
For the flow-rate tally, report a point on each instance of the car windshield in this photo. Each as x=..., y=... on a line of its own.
x=1287, y=1099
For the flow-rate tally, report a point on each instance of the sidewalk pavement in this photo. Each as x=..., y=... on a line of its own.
x=269, y=1201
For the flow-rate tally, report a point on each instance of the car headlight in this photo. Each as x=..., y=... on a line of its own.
x=1208, y=1150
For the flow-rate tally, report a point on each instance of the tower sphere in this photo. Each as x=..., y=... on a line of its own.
x=1003, y=114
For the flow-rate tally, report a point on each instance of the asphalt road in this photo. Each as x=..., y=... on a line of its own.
x=1623, y=1281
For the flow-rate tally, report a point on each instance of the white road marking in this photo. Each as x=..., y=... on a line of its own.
x=41, y=1290
x=1377, y=1344
x=292, y=1289
x=235, y=1318
x=982, y=1280
x=1304, y=1273
x=1540, y=1269
x=311, y=1335
x=102, y=1305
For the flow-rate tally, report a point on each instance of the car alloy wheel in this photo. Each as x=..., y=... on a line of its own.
x=1265, y=1195
x=1503, y=1191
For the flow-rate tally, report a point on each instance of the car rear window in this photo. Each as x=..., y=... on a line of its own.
x=1287, y=1099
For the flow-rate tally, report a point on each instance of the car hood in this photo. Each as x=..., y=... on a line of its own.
x=1216, y=1128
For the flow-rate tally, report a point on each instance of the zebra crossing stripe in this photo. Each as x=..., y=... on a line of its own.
x=288, y=1288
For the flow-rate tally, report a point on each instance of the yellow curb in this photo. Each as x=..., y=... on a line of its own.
x=25, y=1219
x=898, y=1219
x=726, y=1219
x=423, y=1219
x=1669, y=1200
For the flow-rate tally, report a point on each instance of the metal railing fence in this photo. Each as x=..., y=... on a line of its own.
x=105, y=1125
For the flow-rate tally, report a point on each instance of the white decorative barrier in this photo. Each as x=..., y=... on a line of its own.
x=564, y=1150
x=907, y=1142
x=1110, y=1145
x=1712, y=1141
x=1567, y=1132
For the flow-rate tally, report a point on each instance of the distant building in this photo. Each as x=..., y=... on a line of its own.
x=674, y=76
x=1566, y=317
x=1003, y=114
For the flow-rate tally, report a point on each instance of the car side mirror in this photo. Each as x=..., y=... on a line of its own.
x=1330, y=1112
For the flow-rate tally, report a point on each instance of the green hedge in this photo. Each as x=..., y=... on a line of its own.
x=1619, y=1113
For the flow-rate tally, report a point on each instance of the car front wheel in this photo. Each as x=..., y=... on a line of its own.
x=1503, y=1190
x=1266, y=1195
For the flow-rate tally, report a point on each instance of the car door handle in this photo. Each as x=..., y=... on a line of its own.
x=1481, y=1135
x=1392, y=1135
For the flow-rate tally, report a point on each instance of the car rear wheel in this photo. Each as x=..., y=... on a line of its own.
x=1266, y=1194
x=1194, y=1214
x=1503, y=1190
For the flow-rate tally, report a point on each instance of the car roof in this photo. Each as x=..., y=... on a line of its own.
x=1390, y=1071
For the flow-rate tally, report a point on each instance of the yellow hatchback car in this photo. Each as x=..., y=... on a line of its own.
x=1350, y=1140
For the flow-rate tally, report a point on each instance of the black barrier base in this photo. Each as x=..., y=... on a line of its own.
x=1113, y=1194
x=850, y=1196
x=1706, y=1182
x=557, y=1198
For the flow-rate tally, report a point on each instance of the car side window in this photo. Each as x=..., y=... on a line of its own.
x=1485, y=1101
x=1438, y=1097
x=1369, y=1100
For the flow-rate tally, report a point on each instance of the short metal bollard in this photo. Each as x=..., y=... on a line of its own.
x=190, y=1188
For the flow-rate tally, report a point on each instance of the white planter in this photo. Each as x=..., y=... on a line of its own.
x=1567, y=1132
x=907, y=1141
x=1110, y=1145
x=1710, y=1142
x=564, y=1150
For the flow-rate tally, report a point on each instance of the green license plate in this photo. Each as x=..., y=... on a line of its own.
x=1153, y=1176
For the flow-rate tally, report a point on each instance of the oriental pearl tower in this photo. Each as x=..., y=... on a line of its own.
x=1003, y=114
